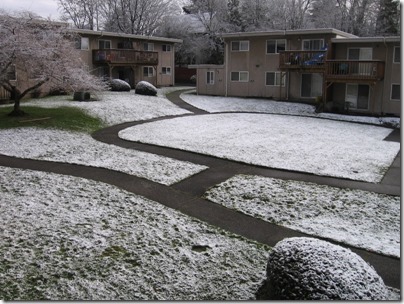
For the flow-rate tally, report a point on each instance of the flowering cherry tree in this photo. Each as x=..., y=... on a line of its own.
x=37, y=53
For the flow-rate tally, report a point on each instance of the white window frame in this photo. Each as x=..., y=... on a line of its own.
x=166, y=47
x=147, y=74
x=391, y=91
x=276, y=45
x=82, y=43
x=239, y=76
x=148, y=46
x=166, y=70
x=104, y=40
x=210, y=77
x=279, y=78
x=305, y=40
x=361, y=52
x=397, y=49
x=243, y=46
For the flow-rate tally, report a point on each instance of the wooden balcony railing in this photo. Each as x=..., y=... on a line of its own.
x=307, y=60
x=125, y=56
x=343, y=70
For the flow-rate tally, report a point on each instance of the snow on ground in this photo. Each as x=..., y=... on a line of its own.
x=214, y=104
x=82, y=149
x=66, y=238
x=318, y=146
x=358, y=218
x=117, y=107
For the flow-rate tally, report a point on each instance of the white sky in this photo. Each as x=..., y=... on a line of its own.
x=44, y=8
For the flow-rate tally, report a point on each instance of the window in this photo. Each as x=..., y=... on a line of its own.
x=104, y=44
x=166, y=48
x=360, y=54
x=148, y=71
x=396, y=58
x=239, y=76
x=166, y=70
x=313, y=44
x=148, y=46
x=240, y=46
x=210, y=77
x=82, y=43
x=275, y=79
x=312, y=85
x=275, y=46
x=395, y=92
x=358, y=96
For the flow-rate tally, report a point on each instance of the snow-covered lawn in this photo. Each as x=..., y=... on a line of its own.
x=319, y=146
x=66, y=238
x=82, y=149
x=117, y=107
x=70, y=238
x=215, y=104
x=359, y=218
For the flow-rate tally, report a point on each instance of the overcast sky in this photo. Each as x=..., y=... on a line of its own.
x=44, y=8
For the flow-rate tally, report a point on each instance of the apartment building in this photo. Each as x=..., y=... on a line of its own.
x=132, y=58
x=344, y=71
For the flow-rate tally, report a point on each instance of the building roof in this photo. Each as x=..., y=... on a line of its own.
x=289, y=33
x=123, y=35
x=367, y=39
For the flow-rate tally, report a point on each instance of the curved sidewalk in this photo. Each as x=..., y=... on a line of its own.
x=185, y=196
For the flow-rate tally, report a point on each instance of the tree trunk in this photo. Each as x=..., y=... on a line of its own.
x=17, y=100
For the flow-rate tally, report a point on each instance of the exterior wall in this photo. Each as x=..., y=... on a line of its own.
x=132, y=73
x=254, y=63
x=392, y=76
x=218, y=86
x=257, y=62
x=379, y=91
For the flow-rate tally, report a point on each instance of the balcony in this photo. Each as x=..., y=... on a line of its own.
x=302, y=60
x=354, y=70
x=125, y=57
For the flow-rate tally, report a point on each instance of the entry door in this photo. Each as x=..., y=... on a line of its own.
x=358, y=96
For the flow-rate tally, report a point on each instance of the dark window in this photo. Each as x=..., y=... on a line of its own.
x=395, y=92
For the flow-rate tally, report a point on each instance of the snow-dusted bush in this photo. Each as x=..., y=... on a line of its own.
x=119, y=85
x=145, y=88
x=312, y=269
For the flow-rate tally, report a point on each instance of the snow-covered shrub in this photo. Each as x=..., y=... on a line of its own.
x=119, y=85
x=145, y=88
x=81, y=96
x=312, y=269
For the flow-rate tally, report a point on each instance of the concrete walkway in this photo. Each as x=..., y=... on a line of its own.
x=185, y=196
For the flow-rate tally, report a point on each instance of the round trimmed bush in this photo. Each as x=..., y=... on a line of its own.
x=312, y=269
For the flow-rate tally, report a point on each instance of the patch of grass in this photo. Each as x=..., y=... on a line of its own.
x=64, y=118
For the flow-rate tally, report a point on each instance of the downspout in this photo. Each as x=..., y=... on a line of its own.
x=226, y=62
x=384, y=72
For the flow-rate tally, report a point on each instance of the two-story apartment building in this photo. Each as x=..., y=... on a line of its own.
x=132, y=58
x=301, y=65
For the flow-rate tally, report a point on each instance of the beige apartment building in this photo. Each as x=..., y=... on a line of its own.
x=132, y=58
x=343, y=71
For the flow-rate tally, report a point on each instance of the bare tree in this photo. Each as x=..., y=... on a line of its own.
x=41, y=52
x=85, y=14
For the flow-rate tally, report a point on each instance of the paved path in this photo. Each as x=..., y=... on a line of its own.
x=185, y=196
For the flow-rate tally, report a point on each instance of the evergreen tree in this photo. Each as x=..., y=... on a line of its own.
x=388, y=19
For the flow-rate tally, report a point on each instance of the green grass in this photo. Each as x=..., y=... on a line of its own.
x=64, y=118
